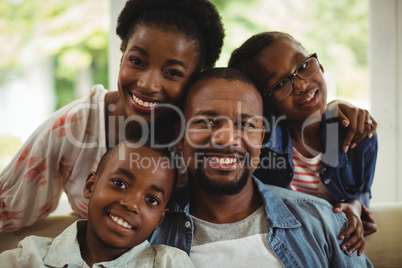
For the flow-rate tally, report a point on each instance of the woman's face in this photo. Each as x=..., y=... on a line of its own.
x=278, y=61
x=155, y=70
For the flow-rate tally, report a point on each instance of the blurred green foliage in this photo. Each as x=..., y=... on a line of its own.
x=36, y=29
x=340, y=30
x=341, y=22
x=238, y=24
x=70, y=61
x=336, y=30
x=72, y=33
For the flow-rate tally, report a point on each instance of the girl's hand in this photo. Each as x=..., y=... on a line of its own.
x=355, y=231
x=368, y=221
x=358, y=121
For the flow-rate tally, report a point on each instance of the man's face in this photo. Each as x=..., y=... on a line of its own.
x=223, y=135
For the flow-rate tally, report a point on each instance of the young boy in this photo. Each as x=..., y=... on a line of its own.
x=127, y=196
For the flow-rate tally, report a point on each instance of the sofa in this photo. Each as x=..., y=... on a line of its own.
x=383, y=248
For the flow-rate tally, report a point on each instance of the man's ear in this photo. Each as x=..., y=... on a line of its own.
x=161, y=219
x=90, y=184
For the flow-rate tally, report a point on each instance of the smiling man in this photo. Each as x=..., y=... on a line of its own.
x=223, y=135
x=224, y=217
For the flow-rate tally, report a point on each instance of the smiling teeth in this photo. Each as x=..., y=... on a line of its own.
x=224, y=160
x=145, y=104
x=121, y=222
x=311, y=97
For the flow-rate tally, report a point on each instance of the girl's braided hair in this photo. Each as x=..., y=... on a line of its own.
x=253, y=46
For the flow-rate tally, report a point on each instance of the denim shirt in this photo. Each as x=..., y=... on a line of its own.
x=303, y=230
x=345, y=175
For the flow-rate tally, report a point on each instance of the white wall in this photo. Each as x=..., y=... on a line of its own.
x=27, y=100
x=386, y=94
x=114, y=43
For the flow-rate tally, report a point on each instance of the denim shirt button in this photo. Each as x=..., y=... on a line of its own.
x=327, y=181
x=187, y=224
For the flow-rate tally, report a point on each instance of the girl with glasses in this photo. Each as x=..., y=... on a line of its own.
x=304, y=150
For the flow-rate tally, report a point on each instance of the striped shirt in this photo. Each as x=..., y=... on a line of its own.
x=306, y=177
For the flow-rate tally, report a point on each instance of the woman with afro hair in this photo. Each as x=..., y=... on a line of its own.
x=164, y=43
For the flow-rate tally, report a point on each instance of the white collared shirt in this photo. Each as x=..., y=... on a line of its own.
x=64, y=251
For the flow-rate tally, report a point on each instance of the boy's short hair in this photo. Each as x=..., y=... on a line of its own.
x=110, y=153
x=197, y=19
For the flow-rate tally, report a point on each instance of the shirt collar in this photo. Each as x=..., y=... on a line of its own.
x=65, y=250
x=278, y=214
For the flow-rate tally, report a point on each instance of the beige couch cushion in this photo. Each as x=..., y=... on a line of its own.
x=49, y=227
x=384, y=247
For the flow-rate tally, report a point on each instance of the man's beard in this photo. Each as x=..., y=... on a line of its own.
x=218, y=188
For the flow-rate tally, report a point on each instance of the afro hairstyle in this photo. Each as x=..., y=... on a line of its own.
x=197, y=19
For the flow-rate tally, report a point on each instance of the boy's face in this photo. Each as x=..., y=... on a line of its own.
x=279, y=60
x=223, y=135
x=128, y=200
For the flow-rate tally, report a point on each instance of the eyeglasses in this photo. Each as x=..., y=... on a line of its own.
x=307, y=69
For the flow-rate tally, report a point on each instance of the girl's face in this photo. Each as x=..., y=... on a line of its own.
x=278, y=61
x=154, y=71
